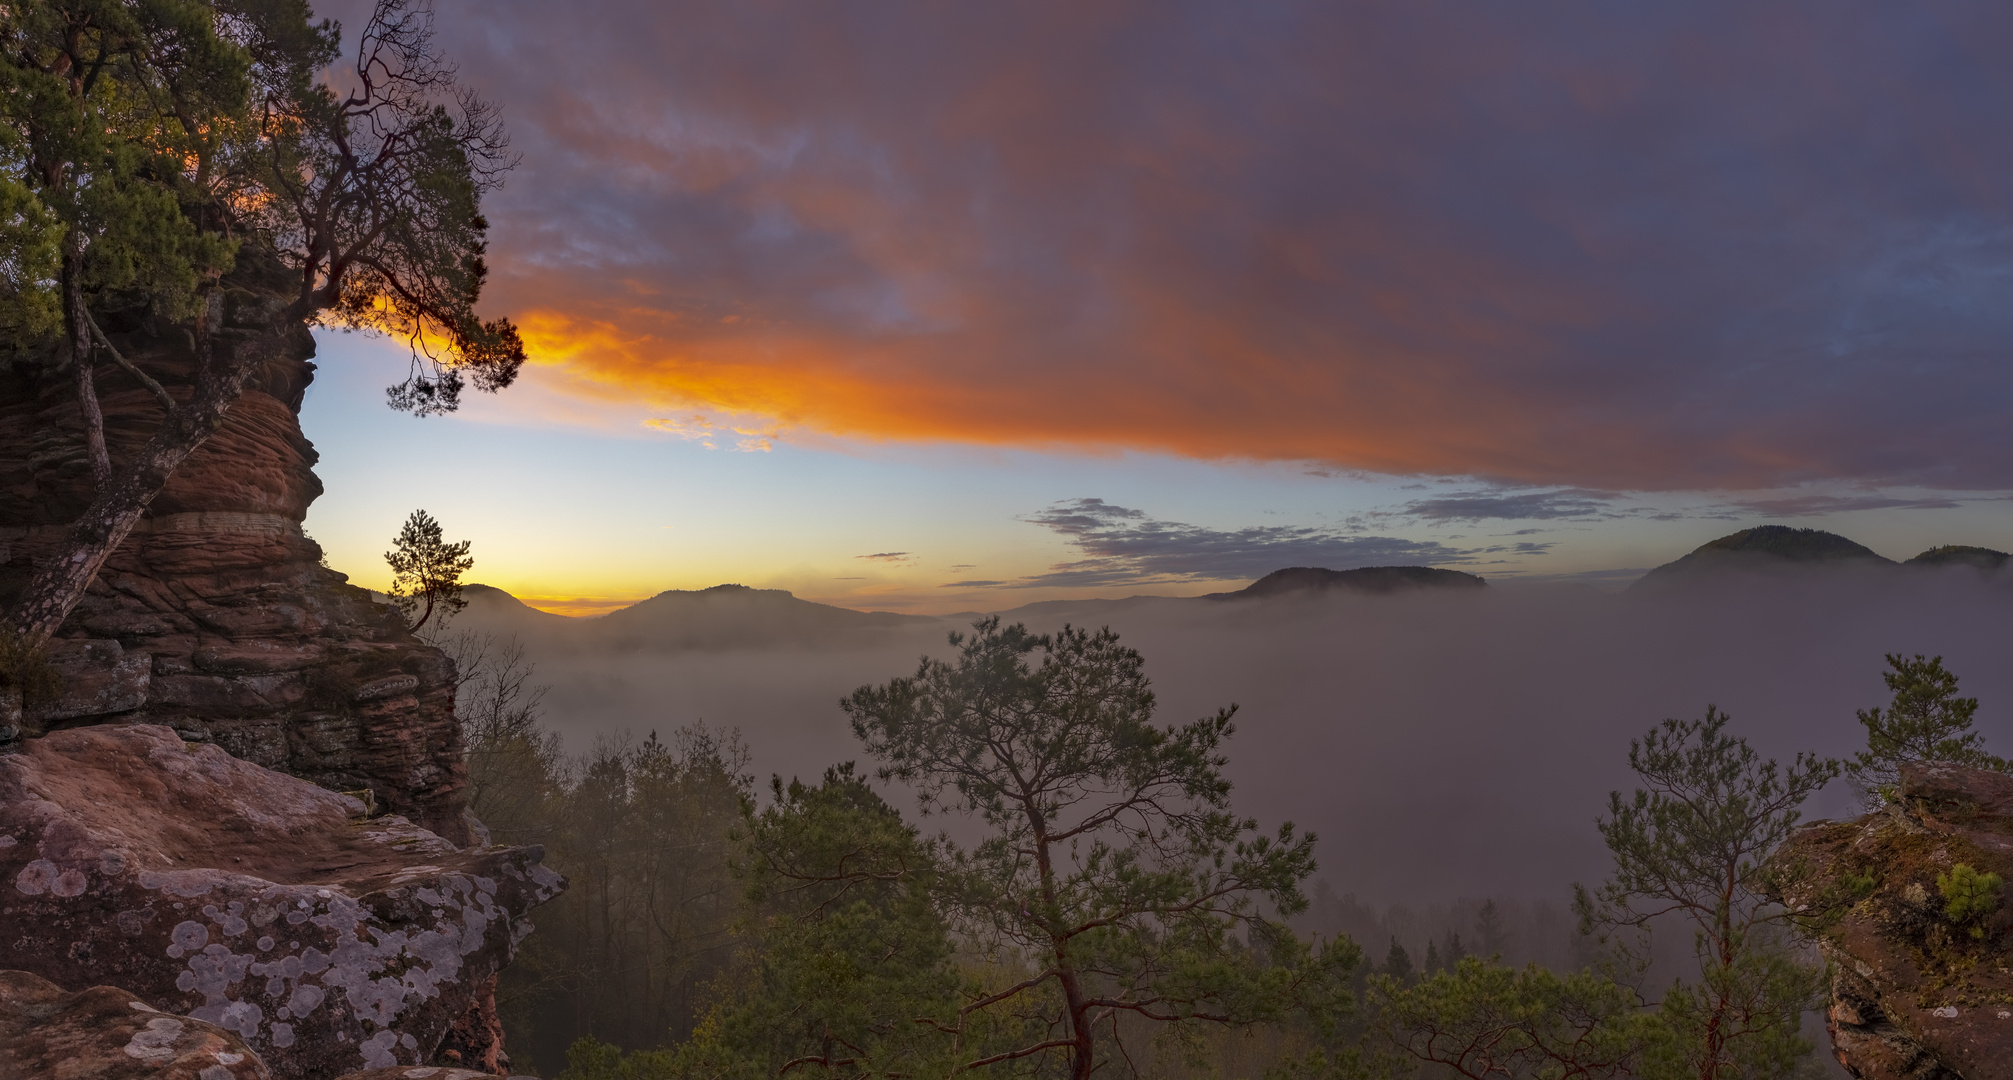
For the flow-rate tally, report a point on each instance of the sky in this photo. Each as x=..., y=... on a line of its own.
x=930, y=308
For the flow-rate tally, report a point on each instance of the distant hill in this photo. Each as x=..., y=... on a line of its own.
x=1961, y=555
x=730, y=616
x=722, y=617
x=491, y=603
x=1763, y=548
x=1367, y=579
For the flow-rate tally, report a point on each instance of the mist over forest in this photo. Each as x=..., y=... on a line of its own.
x=1441, y=744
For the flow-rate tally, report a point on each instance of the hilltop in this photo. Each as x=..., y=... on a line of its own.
x=1367, y=579
x=1774, y=549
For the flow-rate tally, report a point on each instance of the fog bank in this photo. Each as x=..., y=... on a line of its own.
x=1441, y=744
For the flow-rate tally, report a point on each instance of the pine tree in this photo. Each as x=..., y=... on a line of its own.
x=1926, y=721
x=426, y=570
x=1109, y=857
x=1690, y=847
x=1398, y=964
x=1490, y=936
x=1453, y=951
x=1433, y=964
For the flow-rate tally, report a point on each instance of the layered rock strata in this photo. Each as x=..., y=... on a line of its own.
x=216, y=616
x=108, y=1034
x=1922, y=989
x=260, y=903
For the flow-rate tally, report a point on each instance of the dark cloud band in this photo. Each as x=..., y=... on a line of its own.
x=1624, y=246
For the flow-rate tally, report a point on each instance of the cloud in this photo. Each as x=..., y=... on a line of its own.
x=1518, y=506
x=887, y=556
x=1630, y=247
x=707, y=430
x=970, y=584
x=1799, y=506
x=1126, y=547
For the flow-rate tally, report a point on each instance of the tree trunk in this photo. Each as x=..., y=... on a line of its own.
x=60, y=582
x=78, y=321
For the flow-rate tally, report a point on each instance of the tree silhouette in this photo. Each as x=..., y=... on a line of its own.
x=426, y=571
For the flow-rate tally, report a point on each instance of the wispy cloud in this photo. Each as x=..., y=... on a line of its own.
x=1801, y=506
x=708, y=431
x=887, y=556
x=1513, y=505
x=1125, y=546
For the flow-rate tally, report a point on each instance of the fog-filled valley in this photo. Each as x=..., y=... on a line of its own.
x=1442, y=744
x=1451, y=744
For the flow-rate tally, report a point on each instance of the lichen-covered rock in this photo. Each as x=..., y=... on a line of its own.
x=1917, y=993
x=216, y=616
x=105, y=1033
x=249, y=899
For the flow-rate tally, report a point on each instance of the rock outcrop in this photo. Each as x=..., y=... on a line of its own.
x=108, y=1034
x=269, y=907
x=216, y=616
x=1922, y=987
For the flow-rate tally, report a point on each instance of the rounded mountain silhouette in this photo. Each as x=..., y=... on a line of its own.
x=1368, y=579
x=1763, y=549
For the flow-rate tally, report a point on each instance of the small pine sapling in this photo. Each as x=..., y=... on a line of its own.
x=1969, y=897
x=426, y=571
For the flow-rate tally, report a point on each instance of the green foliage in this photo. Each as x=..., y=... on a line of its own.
x=1691, y=845
x=1489, y=1019
x=426, y=570
x=30, y=250
x=116, y=121
x=1398, y=964
x=142, y=145
x=1111, y=865
x=847, y=968
x=1925, y=721
x=645, y=834
x=591, y=1059
x=1969, y=896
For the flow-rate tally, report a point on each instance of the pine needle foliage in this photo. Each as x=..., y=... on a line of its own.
x=1925, y=721
x=1110, y=862
x=1690, y=845
x=426, y=571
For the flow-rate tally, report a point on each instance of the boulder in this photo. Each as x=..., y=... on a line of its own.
x=1921, y=990
x=108, y=1034
x=217, y=616
x=254, y=901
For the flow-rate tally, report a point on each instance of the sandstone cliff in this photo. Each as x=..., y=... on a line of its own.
x=216, y=617
x=1922, y=984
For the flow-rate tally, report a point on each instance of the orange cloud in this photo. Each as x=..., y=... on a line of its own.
x=1533, y=244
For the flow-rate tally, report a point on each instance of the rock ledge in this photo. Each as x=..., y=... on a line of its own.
x=254, y=901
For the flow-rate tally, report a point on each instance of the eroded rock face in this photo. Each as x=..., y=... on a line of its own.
x=251, y=900
x=1916, y=994
x=216, y=616
x=108, y=1034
